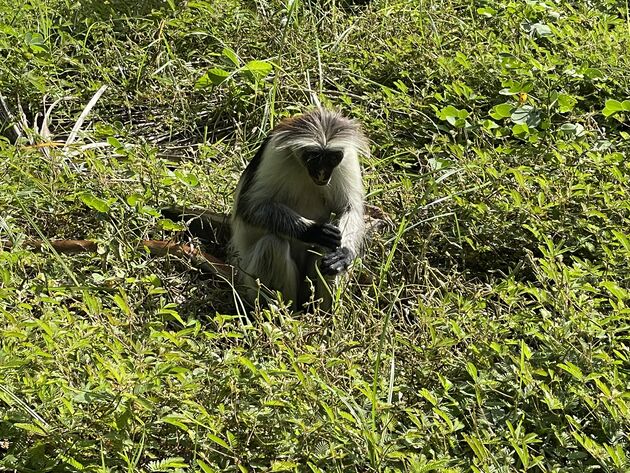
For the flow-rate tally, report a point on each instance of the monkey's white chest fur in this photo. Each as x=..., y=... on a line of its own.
x=289, y=184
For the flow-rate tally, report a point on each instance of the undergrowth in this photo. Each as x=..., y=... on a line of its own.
x=486, y=329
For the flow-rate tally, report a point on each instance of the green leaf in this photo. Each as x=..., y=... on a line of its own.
x=248, y=364
x=566, y=103
x=613, y=106
x=257, y=70
x=486, y=11
x=170, y=226
x=572, y=369
x=593, y=73
x=526, y=115
x=536, y=29
x=503, y=110
x=520, y=129
x=489, y=125
x=120, y=301
x=167, y=464
x=187, y=178
x=623, y=239
x=134, y=198
x=307, y=358
x=177, y=420
x=218, y=441
x=214, y=76
x=205, y=467
x=448, y=112
x=572, y=129
x=619, y=292
x=230, y=57
x=34, y=39
x=35, y=429
x=453, y=115
x=114, y=143
x=94, y=202
x=283, y=465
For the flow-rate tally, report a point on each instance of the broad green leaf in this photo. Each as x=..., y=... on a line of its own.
x=526, y=115
x=566, y=103
x=573, y=129
x=248, y=364
x=520, y=129
x=176, y=420
x=134, y=198
x=187, y=178
x=113, y=142
x=572, y=369
x=619, y=292
x=542, y=29
x=307, y=358
x=170, y=226
x=214, y=76
x=34, y=38
x=623, y=239
x=453, y=115
x=94, y=202
x=258, y=70
x=503, y=110
x=35, y=429
x=122, y=304
x=486, y=11
x=613, y=106
x=448, y=112
x=593, y=73
x=489, y=124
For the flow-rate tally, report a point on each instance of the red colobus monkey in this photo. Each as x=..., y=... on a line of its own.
x=298, y=209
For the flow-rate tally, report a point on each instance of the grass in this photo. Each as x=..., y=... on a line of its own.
x=486, y=330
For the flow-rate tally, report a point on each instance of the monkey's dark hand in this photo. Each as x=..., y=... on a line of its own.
x=325, y=235
x=336, y=262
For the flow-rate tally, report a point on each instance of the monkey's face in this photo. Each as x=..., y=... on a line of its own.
x=320, y=163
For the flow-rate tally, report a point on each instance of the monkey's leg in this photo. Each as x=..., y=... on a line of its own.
x=269, y=260
x=315, y=290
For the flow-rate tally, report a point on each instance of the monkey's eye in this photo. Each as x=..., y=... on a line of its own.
x=309, y=155
x=334, y=156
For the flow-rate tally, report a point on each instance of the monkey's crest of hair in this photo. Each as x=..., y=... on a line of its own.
x=320, y=128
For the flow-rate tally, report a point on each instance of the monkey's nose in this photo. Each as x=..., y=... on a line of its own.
x=322, y=177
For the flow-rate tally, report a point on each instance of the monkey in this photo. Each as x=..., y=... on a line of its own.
x=298, y=208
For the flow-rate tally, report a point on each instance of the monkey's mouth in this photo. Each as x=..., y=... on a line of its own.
x=321, y=177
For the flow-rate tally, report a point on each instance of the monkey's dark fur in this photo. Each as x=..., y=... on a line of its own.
x=299, y=207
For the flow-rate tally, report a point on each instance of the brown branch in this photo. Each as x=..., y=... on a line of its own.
x=206, y=221
x=204, y=261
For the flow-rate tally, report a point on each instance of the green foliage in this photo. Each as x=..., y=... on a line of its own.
x=485, y=331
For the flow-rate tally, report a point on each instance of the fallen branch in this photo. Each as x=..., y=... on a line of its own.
x=199, y=222
x=200, y=259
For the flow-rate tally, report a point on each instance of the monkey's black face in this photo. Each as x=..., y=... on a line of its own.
x=320, y=163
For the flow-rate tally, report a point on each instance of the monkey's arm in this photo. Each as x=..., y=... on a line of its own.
x=281, y=220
